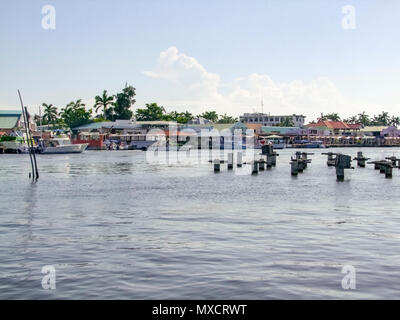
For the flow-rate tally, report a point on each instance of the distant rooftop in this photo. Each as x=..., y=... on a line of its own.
x=334, y=125
x=10, y=112
x=9, y=118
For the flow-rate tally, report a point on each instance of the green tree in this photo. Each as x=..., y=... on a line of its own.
x=364, y=119
x=382, y=119
x=287, y=122
x=50, y=114
x=352, y=119
x=394, y=121
x=123, y=102
x=329, y=117
x=227, y=119
x=180, y=117
x=210, y=115
x=152, y=112
x=75, y=114
x=103, y=102
x=333, y=117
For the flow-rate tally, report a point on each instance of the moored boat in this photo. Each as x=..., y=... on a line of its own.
x=276, y=141
x=61, y=145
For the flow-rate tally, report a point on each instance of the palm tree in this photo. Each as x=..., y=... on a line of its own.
x=364, y=119
x=74, y=105
x=395, y=121
x=352, y=119
x=49, y=113
x=102, y=102
x=333, y=117
x=70, y=109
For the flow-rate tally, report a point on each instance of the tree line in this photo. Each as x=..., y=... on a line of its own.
x=75, y=113
x=382, y=119
x=154, y=112
x=112, y=107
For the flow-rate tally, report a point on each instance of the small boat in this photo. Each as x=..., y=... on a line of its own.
x=14, y=144
x=141, y=141
x=313, y=144
x=61, y=146
x=276, y=141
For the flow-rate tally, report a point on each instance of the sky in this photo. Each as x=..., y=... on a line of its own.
x=228, y=56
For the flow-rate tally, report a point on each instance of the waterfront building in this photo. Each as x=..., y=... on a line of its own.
x=272, y=120
x=13, y=120
x=391, y=131
x=256, y=127
x=112, y=127
x=379, y=131
x=199, y=120
x=336, y=127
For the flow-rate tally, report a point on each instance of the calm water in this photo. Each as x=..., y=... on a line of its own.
x=115, y=226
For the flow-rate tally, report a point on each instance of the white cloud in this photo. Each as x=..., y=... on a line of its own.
x=191, y=86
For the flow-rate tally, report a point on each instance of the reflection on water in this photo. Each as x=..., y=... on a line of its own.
x=117, y=227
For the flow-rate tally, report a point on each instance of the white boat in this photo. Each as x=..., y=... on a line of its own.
x=14, y=144
x=61, y=146
x=276, y=141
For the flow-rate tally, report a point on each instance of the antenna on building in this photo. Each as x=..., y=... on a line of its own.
x=262, y=104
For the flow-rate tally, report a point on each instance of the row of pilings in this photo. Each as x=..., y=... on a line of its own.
x=300, y=160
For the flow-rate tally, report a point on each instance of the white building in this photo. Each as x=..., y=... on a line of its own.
x=271, y=120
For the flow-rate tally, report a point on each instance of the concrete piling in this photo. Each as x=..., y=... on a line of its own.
x=361, y=159
x=331, y=158
x=340, y=173
x=304, y=157
x=294, y=167
x=273, y=159
x=342, y=162
x=261, y=164
x=230, y=161
x=385, y=167
x=254, y=167
x=239, y=159
x=217, y=165
x=394, y=161
x=388, y=171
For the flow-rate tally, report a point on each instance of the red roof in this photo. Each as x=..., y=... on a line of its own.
x=335, y=125
x=354, y=126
